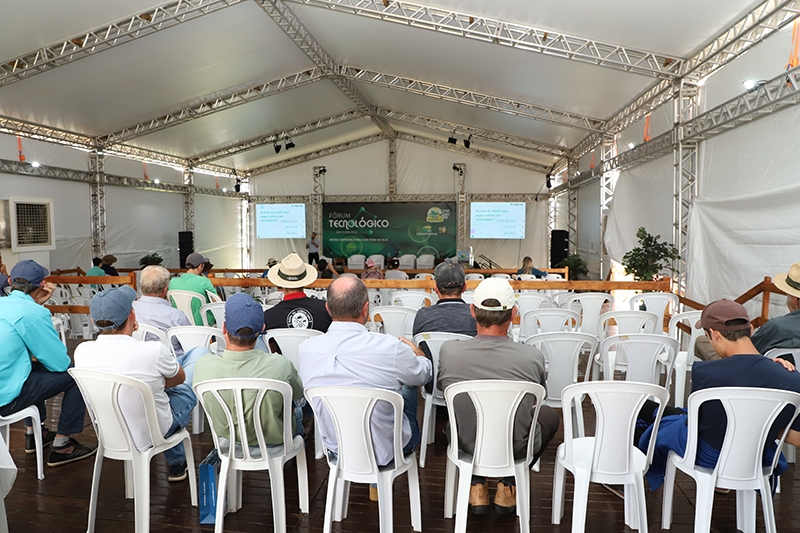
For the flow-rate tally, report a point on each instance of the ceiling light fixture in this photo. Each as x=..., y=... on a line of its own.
x=156, y=181
x=548, y=182
x=468, y=141
x=631, y=146
x=749, y=84
x=452, y=139
x=289, y=144
x=277, y=147
x=35, y=164
x=224, y=189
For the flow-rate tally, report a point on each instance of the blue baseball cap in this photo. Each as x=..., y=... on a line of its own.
x=241, y=311
x=28, y=271
x=113, y=305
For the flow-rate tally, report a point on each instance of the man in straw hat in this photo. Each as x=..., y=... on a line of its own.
x=296, y=310
x=782, y=331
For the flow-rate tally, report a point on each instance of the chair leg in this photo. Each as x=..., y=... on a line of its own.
x=302, y=479
x=746, y=510
x=704, y=503
x=580, y=500
x=522, y=477
x=767, y=506
x=641, y=505
x=462, y=500
x=130, y=490
x=98, y=467
x=427, y=415
x=558, y=492
x=187, y=446
x=414, y=498
x=330, y=500
x=319, y=451
x=276, y=486
x=37, y=436
x=577, y=421
x=342, y=500
x=141, y=485
x=669, y=488
x=450, y=480
x=222, y=488
x=197, y=420
x=385, y=503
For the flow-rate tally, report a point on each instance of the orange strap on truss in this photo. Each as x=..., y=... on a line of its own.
x=647, y=128
x=19, y=149
x=216, y=179
x=144, y=170
x=591, y=162
x=794, y=56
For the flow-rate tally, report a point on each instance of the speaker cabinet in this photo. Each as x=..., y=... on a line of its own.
x=185, y=245
x=559, y=246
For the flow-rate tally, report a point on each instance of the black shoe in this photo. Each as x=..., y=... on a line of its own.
x=178, y=472
x=70, y=452
x=47, y=439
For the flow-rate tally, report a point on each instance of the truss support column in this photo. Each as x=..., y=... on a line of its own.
x=244, y=213
x=317, y=197
x=685, y=158
x=392, y=166
x=97, y=170
x=460, y=174
x=572, y=206
x=188, y=200
x=608, y=181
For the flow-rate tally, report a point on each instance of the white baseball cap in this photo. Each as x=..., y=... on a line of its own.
x=494, y=288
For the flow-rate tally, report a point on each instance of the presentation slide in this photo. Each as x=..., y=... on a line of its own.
x=281, y=221
x=497, y=220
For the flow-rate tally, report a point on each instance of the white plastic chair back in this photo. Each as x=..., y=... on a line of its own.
x=475, y=276
x=150, y=333
x=356, y=262
x=628, y=322
x=468, y=296
x=554, y=277
x=375, y=297
x=775, y=352
x=591, y=307
x=609, y=456
x=379, y=260
x=425, y=262
x=529, y=301
x=86, y=292
x=750, y=415
x=548, y=320
x=644, y=354
x=217, y=309
x=407, y=262
x=183, y=300
x=101, y=392
x=397, y=320
x=241, y=399
x=562, y=352
x=62, y=295
x=424, y=275
x=656, y=302
x=274, y=298
x=59, y=326
x=685, y=358
x=502, y=276
x=350, y=410
x=289, y=340
x=192, y=336
x=560, y=298
x=5, y=426
x=213, y=297
x=412, y=299
x=81, y=325
x=526, y=277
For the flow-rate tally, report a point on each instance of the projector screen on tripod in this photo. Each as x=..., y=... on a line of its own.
x=281, y=221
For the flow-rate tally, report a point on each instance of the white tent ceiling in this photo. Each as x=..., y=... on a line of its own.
x=241, y=46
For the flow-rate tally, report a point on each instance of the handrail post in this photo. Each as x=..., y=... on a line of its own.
x=765, y=298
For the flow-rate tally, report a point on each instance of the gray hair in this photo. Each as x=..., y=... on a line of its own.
x=154, y=280
x=346, y=298
x=25, y=287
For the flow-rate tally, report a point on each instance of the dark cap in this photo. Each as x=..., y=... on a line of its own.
x=28, y=271
x=242, y=311
x=113, y=305
x=449, y=276
x=717, y=314
x=194, y=260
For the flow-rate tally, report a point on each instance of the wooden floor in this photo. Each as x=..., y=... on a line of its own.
x=60, y=502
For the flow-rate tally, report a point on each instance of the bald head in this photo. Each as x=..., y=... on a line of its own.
x=346, y=298
x=154, y=280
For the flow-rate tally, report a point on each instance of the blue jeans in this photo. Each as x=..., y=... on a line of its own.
x=410, y=398
x=182, y=401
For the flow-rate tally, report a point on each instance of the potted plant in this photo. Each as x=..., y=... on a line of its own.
x=577, y=266
x=150, y=259
x=646, y=261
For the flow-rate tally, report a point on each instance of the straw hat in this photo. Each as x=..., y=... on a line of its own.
x=789, y=282
x=292, y=273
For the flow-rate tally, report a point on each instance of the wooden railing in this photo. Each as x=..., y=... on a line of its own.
x=764, y=288
x=130, y=279
x=485, y=271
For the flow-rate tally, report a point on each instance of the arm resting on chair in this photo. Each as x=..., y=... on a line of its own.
x=175, y=380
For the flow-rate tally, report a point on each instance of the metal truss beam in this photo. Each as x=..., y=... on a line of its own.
x=105, y=37
x=317, y=197
x=507, y=197
x=270, y=138
x=31, y=130
x=482, y=154
x=343, y=147
x=686, y=169
x=392, y=164
x=188, y=200
x=508, y=34
x=98, y=203
x=471, y=98
x=295, y=30
x=465, y=131
x=608, y=182
x=214, y=104
x=460, y=174
x=572, y=209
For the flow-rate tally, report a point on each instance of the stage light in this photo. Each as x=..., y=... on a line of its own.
x=548, y=183
x=238, y=186
x=156, y=181
x=452, y=139
x=631, y=146
x=35, y=164
x=289, y=144
x=277, y=147
x=749, y=84
x=468, y=141
x=224, y=189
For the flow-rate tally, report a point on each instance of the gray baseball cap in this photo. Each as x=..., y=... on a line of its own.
x=449, y=276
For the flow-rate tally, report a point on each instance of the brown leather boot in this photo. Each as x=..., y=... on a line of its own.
x=479, y=498
x=505, y=499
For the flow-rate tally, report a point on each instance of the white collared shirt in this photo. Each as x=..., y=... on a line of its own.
x=349, y=355
x=157, y=312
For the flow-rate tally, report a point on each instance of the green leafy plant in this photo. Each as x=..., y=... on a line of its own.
x=577, y=266
x=150, y=259
x=647, y=260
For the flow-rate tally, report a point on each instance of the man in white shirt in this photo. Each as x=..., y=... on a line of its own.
x=349, y=355
x=152, y=362
x=313, y=248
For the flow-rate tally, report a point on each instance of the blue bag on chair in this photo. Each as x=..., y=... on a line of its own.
x=209, y=482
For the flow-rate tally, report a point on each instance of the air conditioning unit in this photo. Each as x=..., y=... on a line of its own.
x=32, y=224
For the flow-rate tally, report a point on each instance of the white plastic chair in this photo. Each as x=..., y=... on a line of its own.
x=397, y=320
x=407, y=262
x=433, y=340
x=547, y=320
x=475, y=276
x=81, y=325
x=496, y=402
x=627, y=323
x=243, y=455
x=8, y=474
x=502, y=276
x=274, y=298
x=183, y=300
x=591, y=307
x=750, y=414
x=609, y=456
x=58, y=324
x=217, y=309
x=468, y=296
x=356, y=262
x=685, y=358
x=101, y=391
x=379, y=260
x=213, y=297
x=424, y=275
x=375, y=297
x=412, y=299
x=150, y=333
x=641, y=356
x=560, y=298
x=426, y=262
x=528, y=301
x=350, y=409
x=289, y=340
x=33, y=412
x=86, y=292
x=656, y=302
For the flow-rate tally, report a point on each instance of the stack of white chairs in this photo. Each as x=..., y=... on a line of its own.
x=81, y=325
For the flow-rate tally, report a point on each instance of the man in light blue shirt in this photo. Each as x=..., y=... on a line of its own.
x=153, y=308
x=34, y=362
x=349, y=355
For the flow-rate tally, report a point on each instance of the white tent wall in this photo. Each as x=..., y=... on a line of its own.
x=589, y=246
x=50, y=154
x=217, y=230
x=661, y=121
x=72, y=220
x=129, y=168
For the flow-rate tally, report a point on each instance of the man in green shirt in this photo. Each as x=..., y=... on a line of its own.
x=96, y=271
x=194, y=281
x=244, y=320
